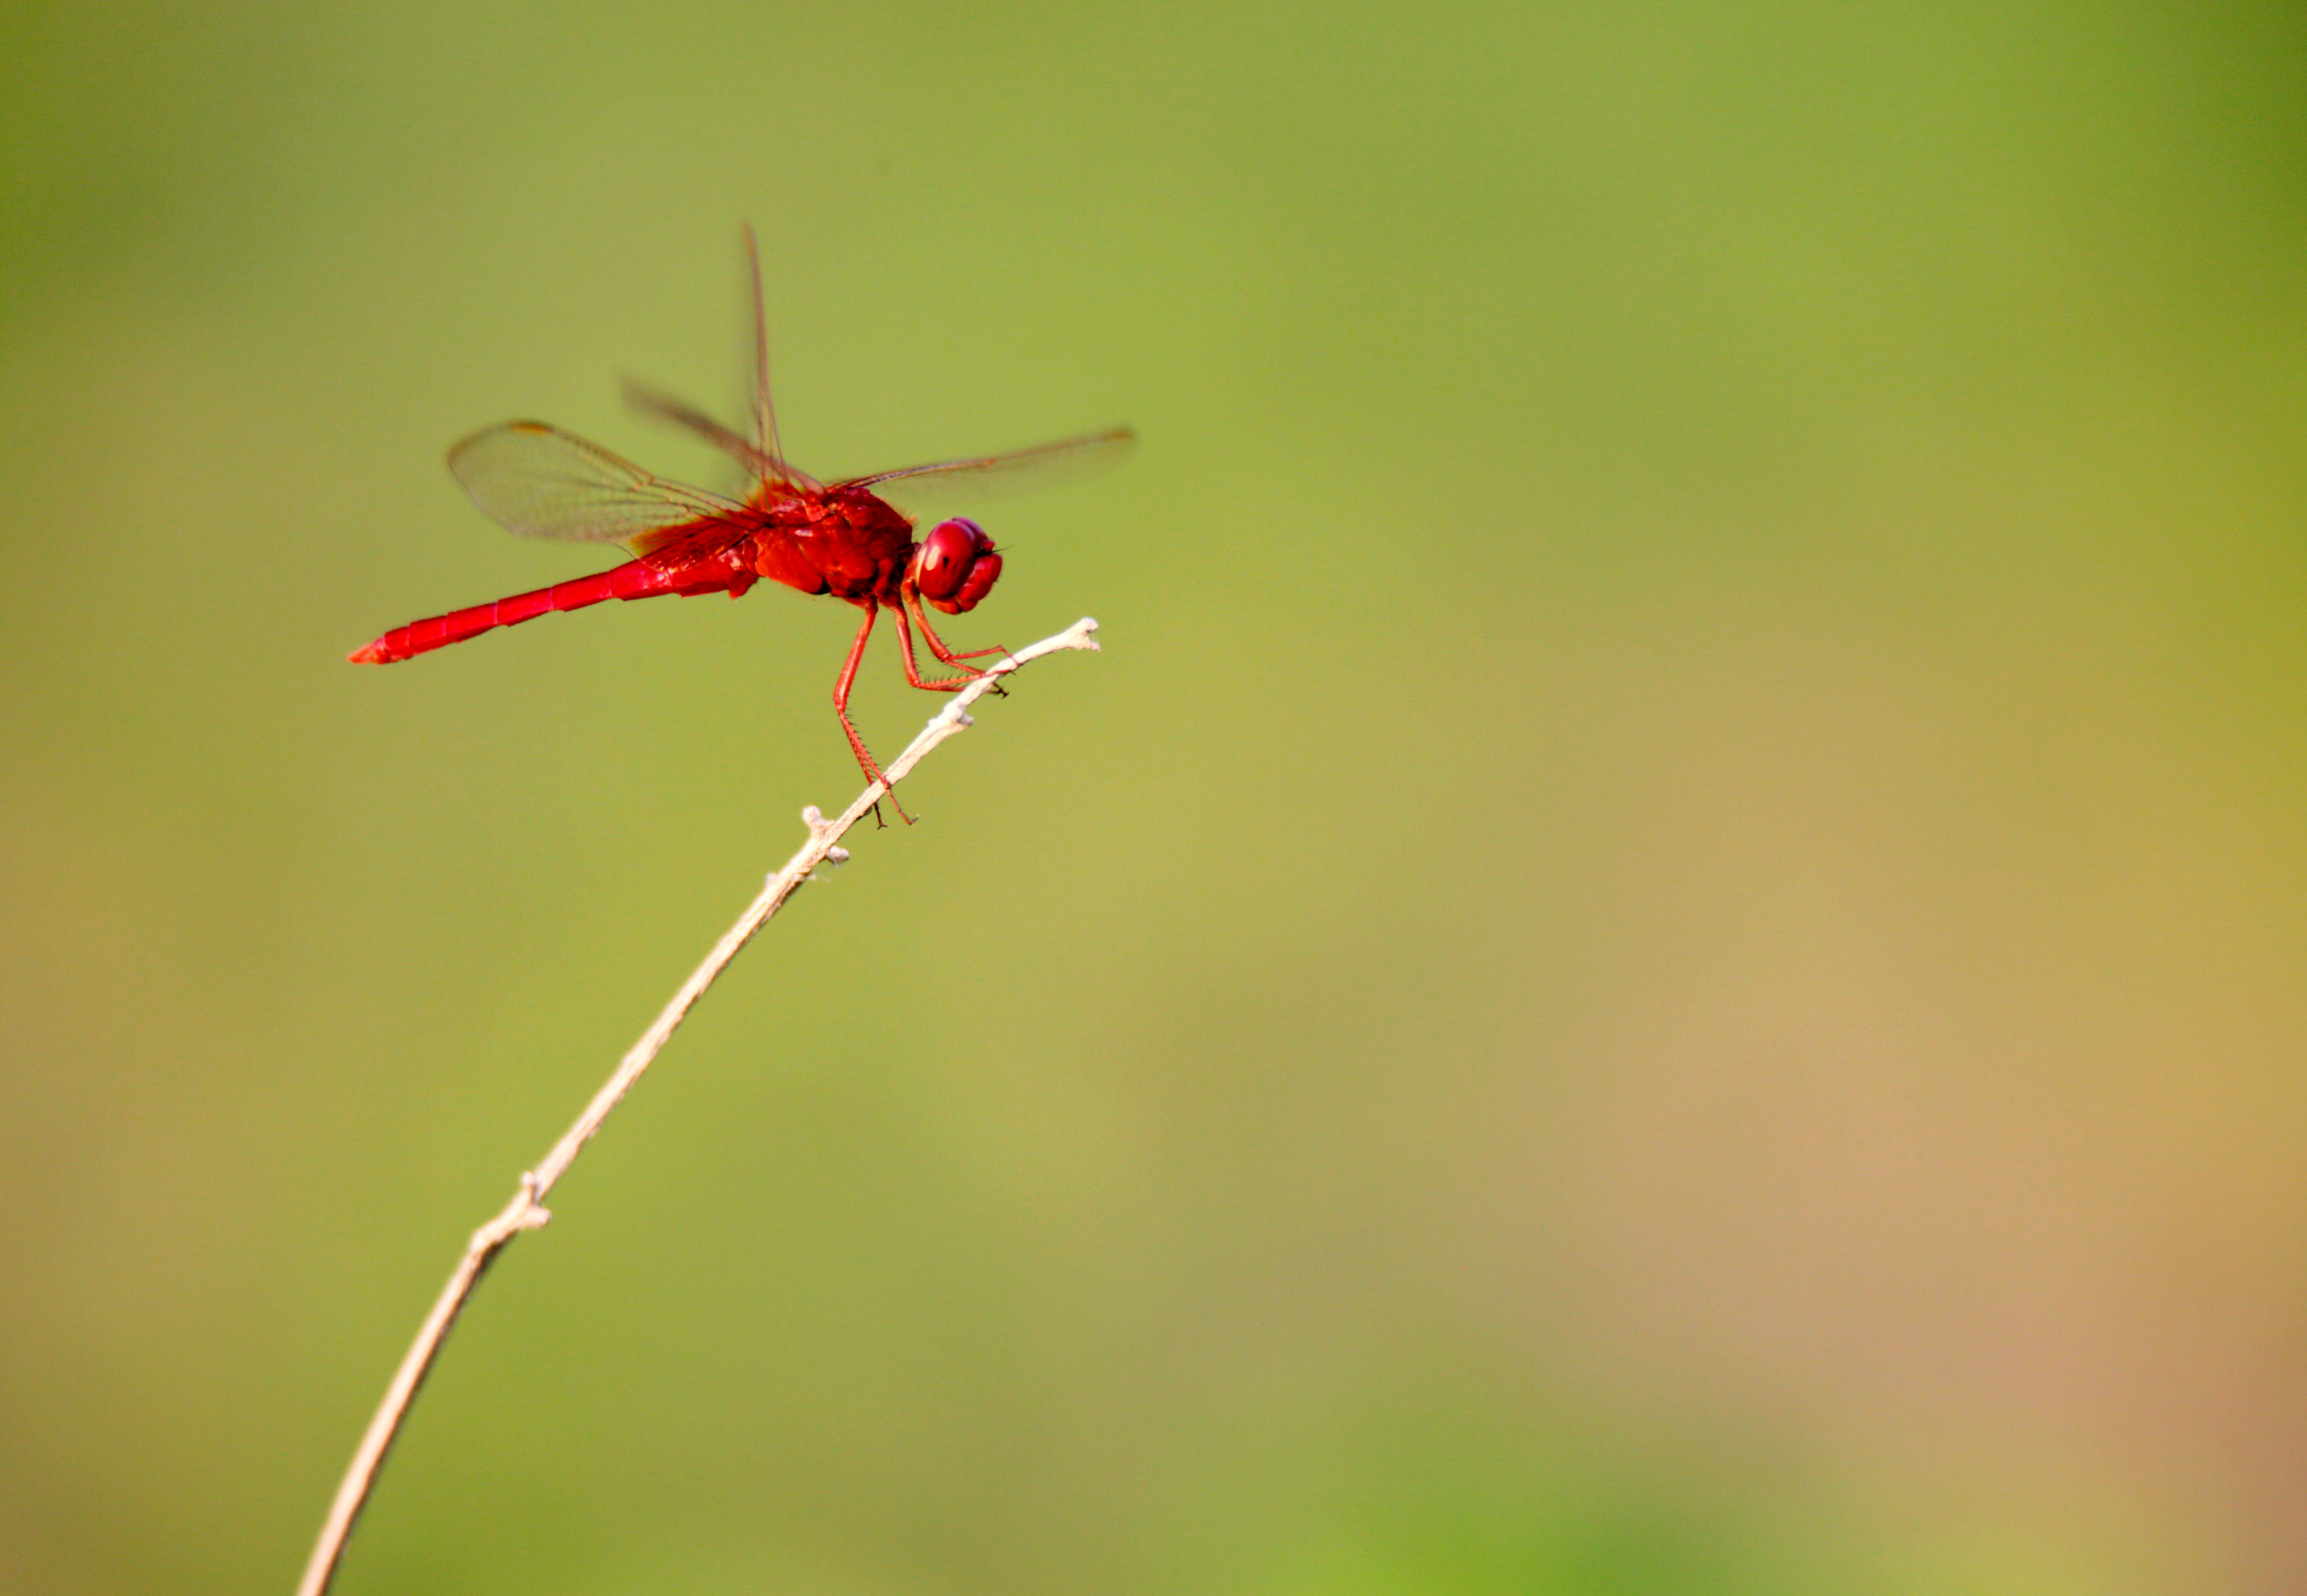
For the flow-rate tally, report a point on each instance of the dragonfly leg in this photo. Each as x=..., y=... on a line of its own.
x=913, y=666
x=873, y=771
x=909, y=603
x=937, y=644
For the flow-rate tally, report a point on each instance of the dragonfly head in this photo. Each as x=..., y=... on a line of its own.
x=954, y=566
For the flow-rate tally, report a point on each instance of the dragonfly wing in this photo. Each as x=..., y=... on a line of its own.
x=765, y=414
x=541, y=482
x=761, y=466
x=951, y=480
x=761, y=454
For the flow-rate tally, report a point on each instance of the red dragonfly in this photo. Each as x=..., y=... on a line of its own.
x=844, y=538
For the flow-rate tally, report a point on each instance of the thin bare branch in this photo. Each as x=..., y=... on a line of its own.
x=527, y=1211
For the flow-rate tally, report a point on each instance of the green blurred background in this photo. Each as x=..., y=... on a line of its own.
x=1667, y=953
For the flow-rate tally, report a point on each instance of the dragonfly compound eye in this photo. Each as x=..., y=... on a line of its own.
x=957, y=566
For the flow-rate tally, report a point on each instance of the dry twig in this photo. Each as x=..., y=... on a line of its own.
x=527, y=1211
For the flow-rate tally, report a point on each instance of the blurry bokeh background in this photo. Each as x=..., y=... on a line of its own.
x=1667, y=953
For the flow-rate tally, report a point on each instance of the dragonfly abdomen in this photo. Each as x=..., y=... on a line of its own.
x=636, y=579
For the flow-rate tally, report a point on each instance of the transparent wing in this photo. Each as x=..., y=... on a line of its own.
x=765, y=414
x=1052, y=463
x=541, y=482
x=761, y=454
x=760, y=465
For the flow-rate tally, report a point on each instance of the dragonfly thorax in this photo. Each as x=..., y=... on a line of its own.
x=848, y=544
